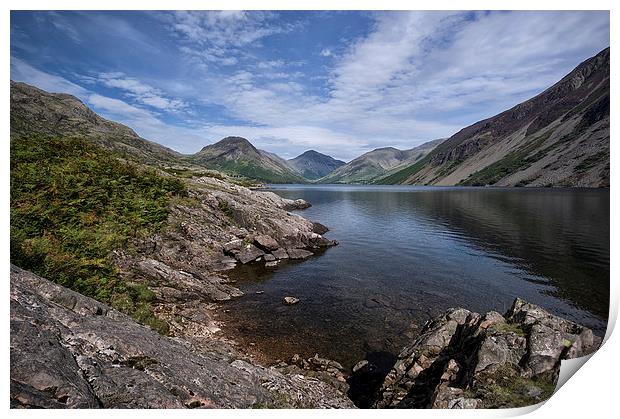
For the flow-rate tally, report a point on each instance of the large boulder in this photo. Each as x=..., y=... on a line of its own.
x=464, y=360
x=426, y=352
x=265, y=242
x=550, y=338
x=298, y=253
x=248, y=253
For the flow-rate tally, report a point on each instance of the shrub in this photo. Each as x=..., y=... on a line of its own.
x=72, y=203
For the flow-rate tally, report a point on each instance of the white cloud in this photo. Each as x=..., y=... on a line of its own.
x=221, y=37
x=270, y=64
x=326, y=52
x=140, y=92
x=22, y=71
x=63, y=25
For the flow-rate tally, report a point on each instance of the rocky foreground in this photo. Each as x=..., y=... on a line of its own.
x=466, y=360
x=70, y=351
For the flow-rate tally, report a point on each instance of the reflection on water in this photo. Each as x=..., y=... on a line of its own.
x=407, y=253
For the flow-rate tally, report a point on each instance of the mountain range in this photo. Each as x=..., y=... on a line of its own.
x=376, y=164
x=558, y=138
x=236, y=155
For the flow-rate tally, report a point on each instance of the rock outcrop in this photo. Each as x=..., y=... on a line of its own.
x=69, y=351
x=464, y=360
x=219, y=226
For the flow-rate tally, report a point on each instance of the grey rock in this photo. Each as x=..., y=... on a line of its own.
x=269, y=257
x=280, y=254
x=492, y=318
x=463, y=403
x=461, y=349
x=290, y=300
x=298, y=253
x=297, y=204
x=533, y=392
x=498, y=349
x=445, y=397
x=319, y=228
x=249, y=253
x=317, y=363
x=81, y=353
x=266, y=242
x=360, y=365
x=233, y=245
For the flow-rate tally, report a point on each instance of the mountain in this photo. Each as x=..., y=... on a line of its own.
x=377, y=163
x=35, y=111
x=237, y=156
x=558, y=138
x=313, y=165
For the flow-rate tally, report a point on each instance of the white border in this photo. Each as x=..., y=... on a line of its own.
x=591, y=393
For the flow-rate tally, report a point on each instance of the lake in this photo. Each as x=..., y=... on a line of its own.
x=407, y=253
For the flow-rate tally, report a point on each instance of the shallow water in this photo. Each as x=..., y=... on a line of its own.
x=407, y=253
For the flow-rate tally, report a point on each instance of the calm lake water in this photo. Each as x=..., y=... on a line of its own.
x=407, y=253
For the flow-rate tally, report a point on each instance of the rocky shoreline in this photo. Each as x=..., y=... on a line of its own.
x=220, y=226
x=68, y=350
x=462, y=359
x=98, y=357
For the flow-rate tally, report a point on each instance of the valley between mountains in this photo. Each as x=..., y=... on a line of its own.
x=558, y=138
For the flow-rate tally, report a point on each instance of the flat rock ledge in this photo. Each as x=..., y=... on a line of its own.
x=69, y=351
x=464, y=360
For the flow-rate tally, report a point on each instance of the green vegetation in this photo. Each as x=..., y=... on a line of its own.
x=511, y=163
x=72, y=203
x=506, y=388
x=225, y=208
x=407, y=172
x=251, y=170
x=592, y=161
x=188, y=173
x=509, y=328
x=139, y=362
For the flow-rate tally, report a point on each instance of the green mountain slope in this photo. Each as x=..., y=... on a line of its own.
x=237, y=156
x=558, y=138
x=35, y=111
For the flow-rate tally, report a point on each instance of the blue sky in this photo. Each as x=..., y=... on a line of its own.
x=341, y=83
